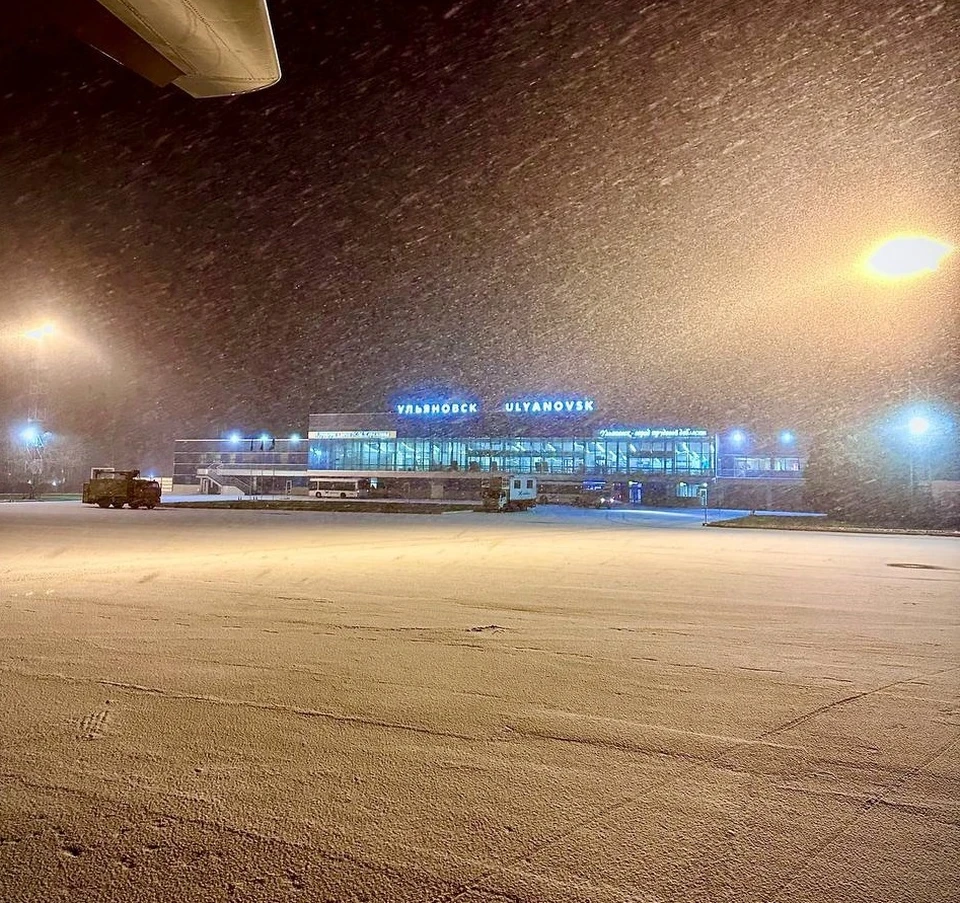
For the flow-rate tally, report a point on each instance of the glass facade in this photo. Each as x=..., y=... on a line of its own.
x=675, y=459
x=766, y=467
x=559, y=455
x=194, y=458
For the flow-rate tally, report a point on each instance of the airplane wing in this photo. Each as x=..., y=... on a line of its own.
x=209, y=48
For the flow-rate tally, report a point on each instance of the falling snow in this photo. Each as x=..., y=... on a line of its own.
x=668, y=202
x=663, y=206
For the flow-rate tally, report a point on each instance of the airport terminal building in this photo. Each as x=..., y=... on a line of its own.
x=446, y=447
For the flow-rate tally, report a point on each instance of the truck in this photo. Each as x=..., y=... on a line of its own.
x=107, y=487
x=509, y=493
x=596, y=494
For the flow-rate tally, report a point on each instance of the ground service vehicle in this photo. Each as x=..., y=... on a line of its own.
x=107, y=487
x=595, y=494
x=339, y=489
x=509, y=493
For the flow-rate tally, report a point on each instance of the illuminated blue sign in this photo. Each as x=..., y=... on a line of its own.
x=549, y=406
x=437, y=408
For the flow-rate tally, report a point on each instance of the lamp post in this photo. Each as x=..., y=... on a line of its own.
x=917, y=426
x=33, y=435
x=898, y=259
x=264, y=449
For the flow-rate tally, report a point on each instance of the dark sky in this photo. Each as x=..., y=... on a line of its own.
x=661, y=204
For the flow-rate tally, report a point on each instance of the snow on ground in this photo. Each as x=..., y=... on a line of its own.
x=549, y=706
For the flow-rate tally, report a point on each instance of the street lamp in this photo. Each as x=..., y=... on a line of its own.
x=34, y=440
x=905, y=257
x=37, y=337
x=265, y=447
x=33, y=435
x=918, y=425
x=39, y=333
x=901, y=258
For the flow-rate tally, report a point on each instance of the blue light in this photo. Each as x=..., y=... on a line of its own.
x=918, y=425
x=437, y=408
x=234, y=438
x=926, y=425
x=549, y=405
x=738, y=437
x=786, y=438
x=30, y=435
x=294, y=438
x=264, y=437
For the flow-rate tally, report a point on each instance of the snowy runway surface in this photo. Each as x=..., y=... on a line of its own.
x=203, y=705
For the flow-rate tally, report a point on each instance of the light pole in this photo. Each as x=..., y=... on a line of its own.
x=33, y=435
x=917, y=426
x=901, y=258
x=264, y=449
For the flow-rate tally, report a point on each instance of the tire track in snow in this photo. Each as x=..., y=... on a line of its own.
x=254, y=704
x=271, y=669
x=165, y=818
x=945, y=815
x=535, y=848
x=867, y=806
x=384, y=868
x=800, y=719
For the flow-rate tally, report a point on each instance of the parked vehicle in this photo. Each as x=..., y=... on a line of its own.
x=509, y=493
x=108, y=487
x=344, y=488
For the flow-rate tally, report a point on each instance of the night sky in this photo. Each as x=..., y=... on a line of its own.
x=661, y=205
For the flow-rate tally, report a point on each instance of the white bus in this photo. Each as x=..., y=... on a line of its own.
x=344, y=488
